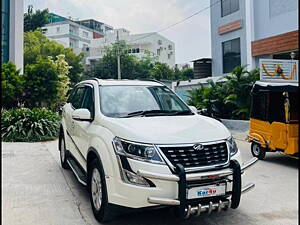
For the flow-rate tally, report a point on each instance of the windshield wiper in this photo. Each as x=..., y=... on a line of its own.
x=157, y=113
x=183, y=112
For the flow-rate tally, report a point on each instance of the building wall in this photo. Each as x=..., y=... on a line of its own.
x=273, y=17
x=217, y=21
x=12, y=37
x=69, y=34
x=267, y=27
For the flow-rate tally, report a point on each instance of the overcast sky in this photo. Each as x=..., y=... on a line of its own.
x=191, y=38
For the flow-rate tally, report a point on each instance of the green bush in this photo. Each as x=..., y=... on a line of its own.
x=27, y=125
x=231, y=98
x=12, y=84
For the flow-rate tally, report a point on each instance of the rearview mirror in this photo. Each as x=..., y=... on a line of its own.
x=81, y=115
x=193, y=108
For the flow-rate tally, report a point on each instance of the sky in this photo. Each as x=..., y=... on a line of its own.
x=191, y=38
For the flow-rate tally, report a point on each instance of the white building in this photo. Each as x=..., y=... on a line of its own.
x=242, y=32
x=152, y=43
x=12, y=32
x=74, y=34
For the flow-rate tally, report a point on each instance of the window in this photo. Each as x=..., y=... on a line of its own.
x=5, y=31
x=137, y=50
x=88, y=102
x=76, y=99
x=159, y=42
x=118, y=101
x=170, y=47
x=231, y=54
x=85, y=34
x=158, y=51
x=229, y=6
x=169, y=56
x=57, y=29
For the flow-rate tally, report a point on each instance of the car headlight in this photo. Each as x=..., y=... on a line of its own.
x=143, y=152
x=233, y=149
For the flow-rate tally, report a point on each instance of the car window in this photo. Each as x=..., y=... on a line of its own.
x=117, y=101
x=77, y=97
x=88, y=102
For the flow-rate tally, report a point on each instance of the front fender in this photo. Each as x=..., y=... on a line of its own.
x=258, y=138
x=104, y=150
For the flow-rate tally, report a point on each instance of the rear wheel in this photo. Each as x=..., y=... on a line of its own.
x=258, y=151
x=98, y=192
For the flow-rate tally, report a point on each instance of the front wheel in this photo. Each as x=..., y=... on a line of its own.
x=63, y=152
x=98, y=192
x=257, y=151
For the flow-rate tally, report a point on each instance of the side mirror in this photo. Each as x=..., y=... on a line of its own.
x=81, y=115
x=203, y=112
x=193, y=108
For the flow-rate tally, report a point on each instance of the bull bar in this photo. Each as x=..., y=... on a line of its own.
x=185, y=209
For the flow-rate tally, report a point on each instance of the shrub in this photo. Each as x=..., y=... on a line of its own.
x=12, y=84
x=27, y=125
x=230, y=98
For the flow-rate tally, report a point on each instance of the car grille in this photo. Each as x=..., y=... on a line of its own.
x=210, y=155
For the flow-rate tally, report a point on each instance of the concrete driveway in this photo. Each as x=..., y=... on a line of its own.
x=36, y=190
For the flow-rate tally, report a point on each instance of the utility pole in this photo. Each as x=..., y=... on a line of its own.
x=118, y=57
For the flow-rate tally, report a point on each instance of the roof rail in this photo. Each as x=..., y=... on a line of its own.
x=149, y=79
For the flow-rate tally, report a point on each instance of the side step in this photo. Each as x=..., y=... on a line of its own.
x=79, y=173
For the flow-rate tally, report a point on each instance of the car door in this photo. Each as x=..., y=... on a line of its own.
x=74, y=103
x=83, y=128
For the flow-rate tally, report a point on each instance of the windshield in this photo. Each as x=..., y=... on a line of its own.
x=129, y=101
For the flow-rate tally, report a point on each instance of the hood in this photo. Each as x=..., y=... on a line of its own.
x=167, y=129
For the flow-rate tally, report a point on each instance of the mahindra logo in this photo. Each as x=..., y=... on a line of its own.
x=198, y=147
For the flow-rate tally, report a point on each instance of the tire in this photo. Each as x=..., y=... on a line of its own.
x=97, y=189
x=63, y=152
x=257, y=151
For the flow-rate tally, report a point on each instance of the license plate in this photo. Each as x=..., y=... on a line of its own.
x=206, y=191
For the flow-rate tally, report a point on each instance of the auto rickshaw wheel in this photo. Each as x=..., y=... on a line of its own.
x=258, y=151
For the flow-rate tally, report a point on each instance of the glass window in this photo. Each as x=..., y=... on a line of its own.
x=229, y=7
x=88, y=102
x=77, y=98
x=231, y=55
x=4, y=31
x=119, y=101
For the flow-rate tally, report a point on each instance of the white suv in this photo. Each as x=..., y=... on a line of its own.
x=136, y=144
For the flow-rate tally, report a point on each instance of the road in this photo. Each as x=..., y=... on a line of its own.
x=37, y=191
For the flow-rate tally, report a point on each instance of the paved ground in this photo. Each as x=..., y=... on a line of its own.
x=36, y=191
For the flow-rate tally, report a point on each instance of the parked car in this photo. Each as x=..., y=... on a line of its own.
x=136, y=144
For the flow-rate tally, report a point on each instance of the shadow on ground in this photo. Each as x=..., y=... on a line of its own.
x=281, y=159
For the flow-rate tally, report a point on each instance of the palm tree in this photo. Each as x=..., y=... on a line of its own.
x=239, y=84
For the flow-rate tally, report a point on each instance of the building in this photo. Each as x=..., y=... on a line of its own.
x=141, y=44
x=202, y=68
x=242, y=32
x=12, y=32
x=74, y=34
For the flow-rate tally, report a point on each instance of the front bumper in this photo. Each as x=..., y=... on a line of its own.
x=185, y=207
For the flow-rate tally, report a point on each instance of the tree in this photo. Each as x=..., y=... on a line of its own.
x=239, y=84
x=46, y=82
x=187, y=74
x=230, y=98
x=34, y=20
x=12, y=84
x=161, y=71
x=131, y=66
x=37, y=45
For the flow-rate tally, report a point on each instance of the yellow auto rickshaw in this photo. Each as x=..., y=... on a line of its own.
x=274, y=121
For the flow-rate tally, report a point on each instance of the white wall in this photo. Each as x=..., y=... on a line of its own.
x=16, y=33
